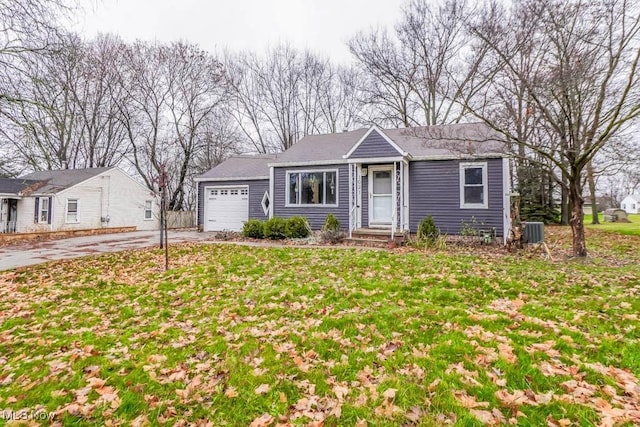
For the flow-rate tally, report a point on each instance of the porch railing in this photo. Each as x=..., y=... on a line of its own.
x=353, y=219
x=8, y=227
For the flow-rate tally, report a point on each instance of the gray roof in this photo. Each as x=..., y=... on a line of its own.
x=14, y=186
x=58, y=180
x=241, y=167
x=456, y=140
x=331, y=146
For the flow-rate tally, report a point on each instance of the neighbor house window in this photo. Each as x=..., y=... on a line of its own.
x=473, y=186
x=312, y=188
x=148, y=209
x=72, y=210
x=43, y=215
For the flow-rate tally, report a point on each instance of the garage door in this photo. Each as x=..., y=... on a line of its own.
x=227, y=208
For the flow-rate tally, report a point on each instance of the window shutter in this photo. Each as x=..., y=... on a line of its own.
x=49, y=212
x=35, y=215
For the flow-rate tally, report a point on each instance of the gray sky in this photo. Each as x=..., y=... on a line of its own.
x=323, y=26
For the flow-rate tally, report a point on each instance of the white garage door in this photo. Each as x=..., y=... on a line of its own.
x=227, y=208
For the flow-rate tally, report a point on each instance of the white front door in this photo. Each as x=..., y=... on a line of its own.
x=380, y=195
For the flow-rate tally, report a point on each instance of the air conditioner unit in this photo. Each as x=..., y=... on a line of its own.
x=533, y=232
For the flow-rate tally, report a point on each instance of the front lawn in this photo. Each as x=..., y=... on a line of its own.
x=236, y=335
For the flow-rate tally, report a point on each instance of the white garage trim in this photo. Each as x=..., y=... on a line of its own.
x=238, y=208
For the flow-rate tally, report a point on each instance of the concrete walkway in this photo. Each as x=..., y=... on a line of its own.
x=31, y=253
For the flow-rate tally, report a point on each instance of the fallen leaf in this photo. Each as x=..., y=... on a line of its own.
x=262, y=389
x=263, y=420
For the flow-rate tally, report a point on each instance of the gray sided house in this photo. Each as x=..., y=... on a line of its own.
x=371, y=179
x=233, y=192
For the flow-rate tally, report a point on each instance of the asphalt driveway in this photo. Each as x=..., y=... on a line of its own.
x=25, y=254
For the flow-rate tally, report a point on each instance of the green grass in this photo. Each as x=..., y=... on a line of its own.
x=231, y=334
x=631, y=228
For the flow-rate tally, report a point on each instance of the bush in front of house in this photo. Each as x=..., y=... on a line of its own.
x=330, y=232
x=254, y=229
x=427, y=230
x=275, y=228
x=297, y=227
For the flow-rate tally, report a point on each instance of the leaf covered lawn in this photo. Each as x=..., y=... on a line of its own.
x=237, y=335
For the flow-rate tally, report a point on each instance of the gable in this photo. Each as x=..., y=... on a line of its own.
x=374, y=144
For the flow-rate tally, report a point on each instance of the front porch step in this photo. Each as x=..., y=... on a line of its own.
x=376, y=236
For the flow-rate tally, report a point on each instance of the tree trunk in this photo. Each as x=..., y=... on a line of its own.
x=577, y=218
x=592, y=194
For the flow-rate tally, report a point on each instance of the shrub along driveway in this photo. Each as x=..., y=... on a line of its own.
x=245, y=335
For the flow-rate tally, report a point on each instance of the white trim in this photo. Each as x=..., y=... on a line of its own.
x=266, y=198
x=287, y=204
x=381, y=133
x=271, y=190
x=378, y=160
x=309, y=163
x=485, y=185
x=405, y=201
x=250, y=178
x=40, y=199
x=471, y=157
x=144, y=211
x=359, y=195
x=391, y=169
x=206, y=204
x=506, y=199
x=66, y=211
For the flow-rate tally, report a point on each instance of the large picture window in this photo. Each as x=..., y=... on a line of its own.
x=312, y=188
x=473, y=185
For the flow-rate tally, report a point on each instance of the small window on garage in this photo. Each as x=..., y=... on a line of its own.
x=244, y=192
x=214, y=192
x=72, y=210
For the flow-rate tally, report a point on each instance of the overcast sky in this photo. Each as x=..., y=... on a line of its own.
x=323, y=26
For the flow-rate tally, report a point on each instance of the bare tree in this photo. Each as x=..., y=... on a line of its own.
x=417, y=75
x=583, y=88
x=97, y=94
x=172, y=92
x=46, y=131
x=286, y=94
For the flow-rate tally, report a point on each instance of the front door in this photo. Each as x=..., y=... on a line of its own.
x=380, y=196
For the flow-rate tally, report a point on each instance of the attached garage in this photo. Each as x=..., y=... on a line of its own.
x=226, y=208
x=233, y=192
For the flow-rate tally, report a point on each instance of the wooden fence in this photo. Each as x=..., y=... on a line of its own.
x=181, y=219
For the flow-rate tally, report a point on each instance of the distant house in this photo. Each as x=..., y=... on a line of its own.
x=75, y=199
x=369, y=179
x=631, y=203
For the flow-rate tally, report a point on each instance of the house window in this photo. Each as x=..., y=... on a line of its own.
x=473, y=186
x=312, y=188
x=43, y=215
x=148, y=209
x=72, y=210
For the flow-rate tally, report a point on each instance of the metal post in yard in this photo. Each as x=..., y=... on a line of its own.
x=163, y=226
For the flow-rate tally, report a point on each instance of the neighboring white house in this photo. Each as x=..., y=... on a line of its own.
x=631, y=203
x=76, y=199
